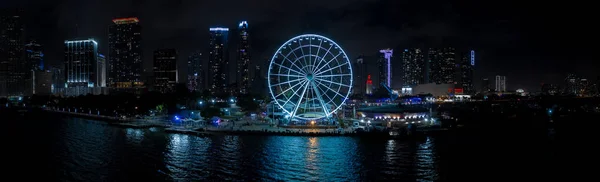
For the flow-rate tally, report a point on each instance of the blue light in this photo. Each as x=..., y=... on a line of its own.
x=218, y=29
x=472, y=58
x=243, y=23
x=201, y=102
x=195, y=74
x=176, y=118
x=230, y=100
x=405, y=50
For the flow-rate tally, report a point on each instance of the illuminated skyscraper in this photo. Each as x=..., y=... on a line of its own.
x=385, y=67
x=500, y=83
x=413, y=67
x=81, y=63
x=218, y=59
x=34, y=62
x=243, y=58
x=195, y=73
x=165, y=70
x=125, y=53
x=101, y=70
x=369, y=85
x=442, y=65
x=466, y=72
x=13, y=69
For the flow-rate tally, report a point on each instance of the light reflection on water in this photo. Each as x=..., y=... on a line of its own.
x=93, y=151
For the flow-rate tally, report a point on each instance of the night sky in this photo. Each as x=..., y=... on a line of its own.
x=529, y=42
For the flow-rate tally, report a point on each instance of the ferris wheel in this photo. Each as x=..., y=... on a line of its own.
x=310, y=77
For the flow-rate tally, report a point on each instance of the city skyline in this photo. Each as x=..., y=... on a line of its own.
x=502, y=40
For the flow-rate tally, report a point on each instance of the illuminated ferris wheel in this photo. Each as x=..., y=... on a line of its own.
x=310, y=77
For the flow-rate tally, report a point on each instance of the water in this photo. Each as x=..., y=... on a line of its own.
x=71, y=149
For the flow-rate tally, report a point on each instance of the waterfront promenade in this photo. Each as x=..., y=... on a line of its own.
x=200, y=128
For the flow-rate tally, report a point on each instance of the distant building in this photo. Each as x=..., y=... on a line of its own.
x=413, y=67
x=43, y=82
x=485, y=85
x=442, y=65
x=101, y=70
x=437, y=90
x=243, y=58
x=125, y=54
x=466, y=72
x=549, y=89
x=165, y=70
x=195, y=72
x=360, y=76
x=369, y=85
x=385, y=66
x=218, y=60
x=81, y=63
x=500, y=83
x=58, y=80
x=34, y=59
x=13, y=70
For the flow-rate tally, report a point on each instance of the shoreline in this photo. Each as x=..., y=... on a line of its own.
x=254, y=130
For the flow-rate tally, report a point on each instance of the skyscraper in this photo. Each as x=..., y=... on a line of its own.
x=466, y=72
x=194, y=72
x=125, y=53
x=218, y=59
x=243, y=58
x=34, y=63
x=360, y=77
x=385, y=66
x=442, y=65
x=485, y=85
x=13, y=69
x=101, y=70
x=165, y=70
x=500, y=83
x=413, y=67
x=81, y=63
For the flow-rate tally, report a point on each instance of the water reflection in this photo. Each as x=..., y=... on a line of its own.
x=426, y=168
x=134, y=135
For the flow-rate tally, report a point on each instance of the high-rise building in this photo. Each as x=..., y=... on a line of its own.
x=485, y=85
x=369, y=85
x=218, y=60
x=413, y=67
x=125, y=54
x=466, y=72
x=442, y=65
x=385, y=66
x=360, y=77
x=500, y=83
x=101, y=70
x=194, y=72
x=13, y=69
x=34, y=56
x=165, y=70
x=34, y=60
x=243, y=58
x=81, y=63
x=58, y=80
x=43, y=82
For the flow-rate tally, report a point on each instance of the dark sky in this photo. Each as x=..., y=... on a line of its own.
x=529, y=42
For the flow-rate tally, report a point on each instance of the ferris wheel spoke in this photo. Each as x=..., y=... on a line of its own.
x=289, y=81
x=300, y=100
x=337, y=93
x=290, y=98
x=321, y=72
x=289, y=68
x=333, y=82
x=301, y=47
x=302, y=82
x=292, y=62
x=335, y=76
x=322, y=59
x=297, y=76
x=320, y=98
x=334, y=58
